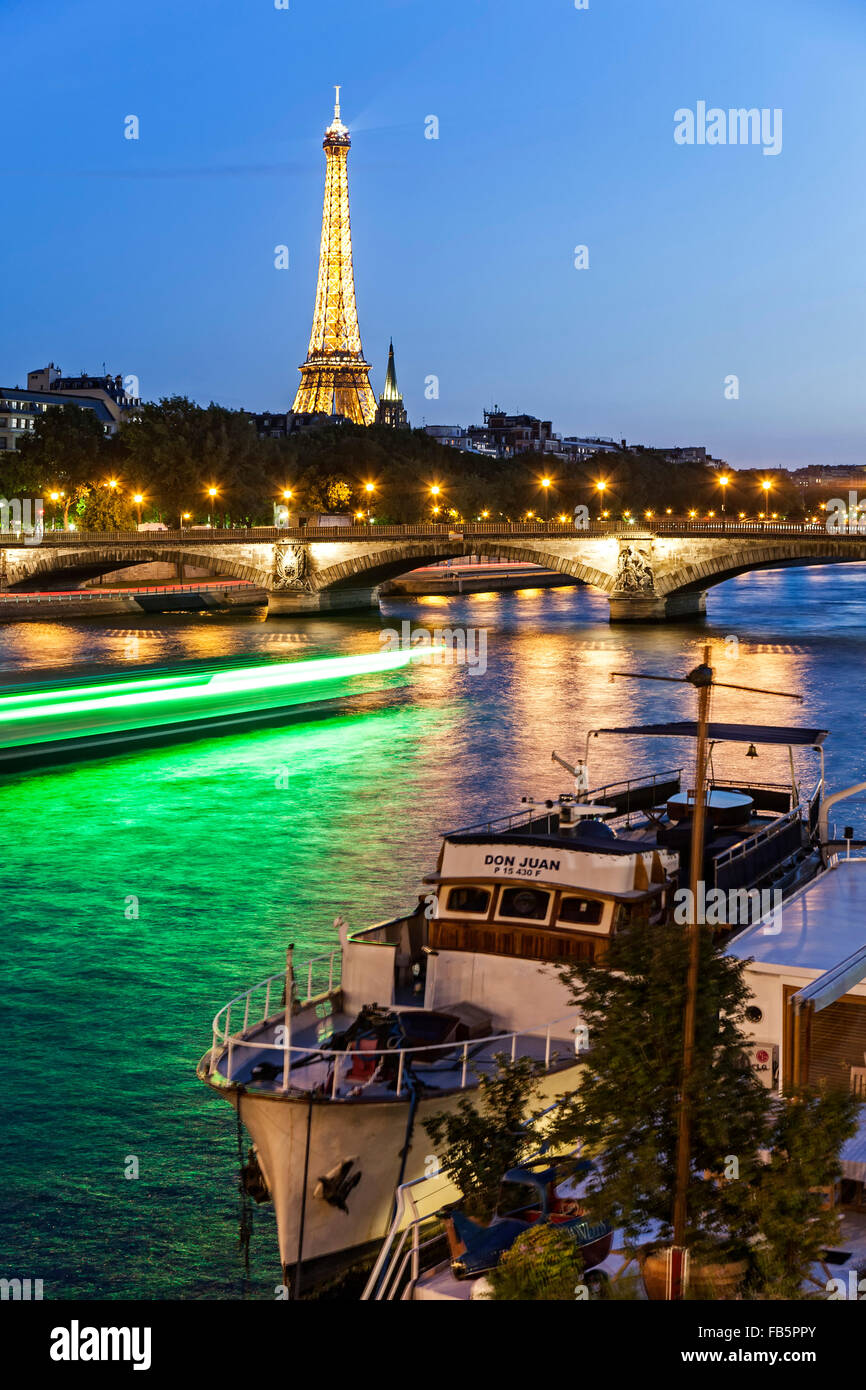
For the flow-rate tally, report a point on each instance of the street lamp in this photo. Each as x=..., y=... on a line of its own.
x=138, y=498
x=369, y=488
x=212, y=493
x=545, y=483
x=185, y=516
x=766, y=485
x=600, y=489
x=723, y=483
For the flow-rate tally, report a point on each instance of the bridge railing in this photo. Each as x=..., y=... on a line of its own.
x=423, y=531
x=16, y=596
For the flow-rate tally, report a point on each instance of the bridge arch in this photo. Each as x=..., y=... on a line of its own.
x=37, y=563
x=372, y=569
x=793, y=554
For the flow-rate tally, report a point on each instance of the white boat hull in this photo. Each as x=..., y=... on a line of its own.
x=295, y=1135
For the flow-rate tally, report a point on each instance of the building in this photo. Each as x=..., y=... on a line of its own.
x=577, y=448
x=390, y=410
x=837, y=476
x=456, y=437
x=109, y=389
x=513, y=434
x=20, y=408
x=270, y=424
x=335, y=376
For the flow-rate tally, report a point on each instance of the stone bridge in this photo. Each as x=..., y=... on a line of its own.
x=648, y=574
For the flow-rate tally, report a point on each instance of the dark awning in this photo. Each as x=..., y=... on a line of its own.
x=726, y=733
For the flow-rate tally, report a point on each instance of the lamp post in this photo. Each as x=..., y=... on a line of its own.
x=723, y=483
x=545, y=483
x=212, y=493
x=766, y=485
x=435, y=490
x=138, y=498
x=55, y=498
x=600, y=488
x=369, y=488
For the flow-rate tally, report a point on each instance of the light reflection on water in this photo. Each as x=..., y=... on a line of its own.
x=235, y=846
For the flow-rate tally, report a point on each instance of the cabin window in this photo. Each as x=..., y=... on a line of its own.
x=581, y=910
x=527, y=904
x=469, y=900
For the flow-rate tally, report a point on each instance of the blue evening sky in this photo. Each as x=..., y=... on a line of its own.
x=555, y=129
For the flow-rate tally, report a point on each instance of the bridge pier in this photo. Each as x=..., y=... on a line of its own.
x=282, y=603
x=653, y=608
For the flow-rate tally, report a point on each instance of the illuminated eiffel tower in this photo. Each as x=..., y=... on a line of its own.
x=335, y=377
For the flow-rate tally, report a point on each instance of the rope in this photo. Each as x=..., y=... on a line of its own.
x=245, y=1229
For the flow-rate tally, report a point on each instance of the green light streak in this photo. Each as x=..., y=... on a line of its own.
x=247, y=687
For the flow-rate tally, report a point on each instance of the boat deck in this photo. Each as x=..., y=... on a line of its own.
x=444, y=1067
x=846, y=1263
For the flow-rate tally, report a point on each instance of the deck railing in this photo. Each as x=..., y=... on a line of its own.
x=243, y=1006
x=536, y=813
x=759, y=846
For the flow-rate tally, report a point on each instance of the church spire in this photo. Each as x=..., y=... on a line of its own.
x=391, y=410
x=391, y=393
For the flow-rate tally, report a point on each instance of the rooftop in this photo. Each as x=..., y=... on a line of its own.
x=821, y=925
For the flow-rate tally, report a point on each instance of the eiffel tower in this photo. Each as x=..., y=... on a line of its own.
x=335, y=377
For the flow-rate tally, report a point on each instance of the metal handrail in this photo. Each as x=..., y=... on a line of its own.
x=227, y=1041
x=457, y=530
x=761, y=836
x=597, y=795
x=405, y=1205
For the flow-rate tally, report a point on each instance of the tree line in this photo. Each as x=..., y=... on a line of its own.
x=185, y=462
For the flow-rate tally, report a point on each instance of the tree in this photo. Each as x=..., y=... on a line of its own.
x=626, y=1109
x=108, y=509
x=67, y=450
x=785, y=1203
x=164, y=449
x=544, y=1265
x=483, y=1140
x=757, y=1162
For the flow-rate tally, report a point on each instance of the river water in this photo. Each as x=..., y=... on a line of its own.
x=232, y=847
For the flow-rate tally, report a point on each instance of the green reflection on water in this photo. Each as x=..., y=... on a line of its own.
x=227, y=850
